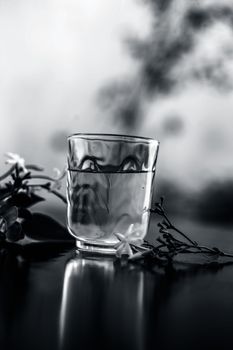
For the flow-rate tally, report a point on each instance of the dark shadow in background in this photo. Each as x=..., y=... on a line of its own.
x=211, y=205
x=161, y=53
x=215, y=203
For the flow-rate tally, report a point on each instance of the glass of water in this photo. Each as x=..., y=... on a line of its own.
x=109, y=188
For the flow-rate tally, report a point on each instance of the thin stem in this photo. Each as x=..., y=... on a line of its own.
x=178, y=231
x=211, y=250
x=56, y=193
x=7, y=173
x=44, y=177
x=6, y=195
x=140, y=255
x=138, y=247
x=201, y=247
x=33, y=167
x=226, y=254
x=172, y=246
x=59, y=195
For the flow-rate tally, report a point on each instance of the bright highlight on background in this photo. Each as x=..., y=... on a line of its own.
x=55, y=55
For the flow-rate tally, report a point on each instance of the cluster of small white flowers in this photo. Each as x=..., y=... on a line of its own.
x=16, y=159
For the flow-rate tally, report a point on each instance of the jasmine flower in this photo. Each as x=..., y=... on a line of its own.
x=15, y=159
x=123, y=247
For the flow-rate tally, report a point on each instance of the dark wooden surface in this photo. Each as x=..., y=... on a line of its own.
x=52, y=298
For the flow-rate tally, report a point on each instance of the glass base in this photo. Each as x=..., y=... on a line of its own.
x=95, y=249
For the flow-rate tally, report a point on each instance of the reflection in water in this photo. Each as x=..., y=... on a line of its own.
x=102, y=305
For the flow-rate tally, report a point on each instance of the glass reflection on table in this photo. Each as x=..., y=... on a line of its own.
x=102, y=305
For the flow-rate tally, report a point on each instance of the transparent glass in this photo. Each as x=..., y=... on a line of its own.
x=109, y=188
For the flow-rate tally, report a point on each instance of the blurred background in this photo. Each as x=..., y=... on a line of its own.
x=156, y=68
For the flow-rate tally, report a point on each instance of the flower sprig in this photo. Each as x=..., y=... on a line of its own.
x=18, y=191
x=129, y=243
x=169, y=245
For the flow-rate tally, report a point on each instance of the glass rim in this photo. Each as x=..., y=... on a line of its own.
x=112, y=137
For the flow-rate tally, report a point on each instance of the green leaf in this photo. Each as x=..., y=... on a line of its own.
x=24, y=200
x=9, y=214
x=43, y=228
x=15, y=233
x=24, y=213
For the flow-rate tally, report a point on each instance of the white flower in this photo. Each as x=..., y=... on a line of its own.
x=15, y=159
x=59, y=175
x=125, y=240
